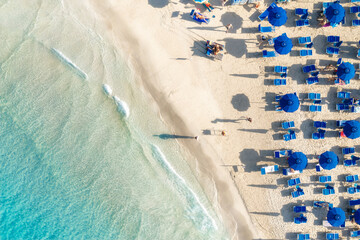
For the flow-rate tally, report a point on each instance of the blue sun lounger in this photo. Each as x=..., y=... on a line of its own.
x=354, y=233
x=355, y=9
x=314, y=96
x=342, y=107
x=300, y=219
x=354, y=202
x=298, y=192
x=338, y=44
x=341, y=82
x=324, y=179
x=354, y=1
x=302, y=23
x=350, y=162
x=340, y=123
x=267, y=54
x=293, y=182
x=339, y=61
x=348, y=150
x=279, y=82
x=309, y=68
x=286, y=125
x=301, y=11
x=282, y=153
x=299, y=209
x=317, y=136
x=352, y=190
x=290, y=136
x=269, y=169
x=315, y=108
x=304, y=40
x=303, y=236
x=333, y=39
x=264, y=15
x=332, y=51
x=280, y=69
x=352, y=178
x=312, y=80
x=331, y=236
x=329, y=190
x=266, y=29
x=305, y=52
x=321, y=204
x=343, y=94
x=356, y=22
x=319, y=124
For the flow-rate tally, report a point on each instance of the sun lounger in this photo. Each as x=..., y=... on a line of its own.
x=322, y=204
x=302, y=236
x=264, y=15
x=314, y=96
x=338, y=44
x=268, y=169
x=312, y=80
x=340, y=123
x=305, y=52
x=352, y=178
x=355, y=109
x=326, y=5
x=283, y=75
x=293, y=182
x=333, y=39
x=299, y=209
x=332, y=51
x=350, y=162
x=304, y=40
x=280, y=69
x=319, y=124
x=266, y=29
x=342, y=107
x=354, y=233
x=354, y=202
x=315, y=108
x=355, y=9
x=302, y=23
x=355, y=158
x=329, y=190
x=314, y=74
x=286, y=125
x=356, y=22
x=282, y=153
x=358, y=54
x=355, y=1
x=309, y=68
x=279, y=82
x=331, y=236
x=316, y=136
x=301, y=11
x=300, y=219
x=353, y=190
x=287, y=172
x=290, y=136
x=267, y=54
x=343, y=95
x=194, y=16
x=341, y=82
x=339, y=61
x=324, y=179
x=309, y=45
x=348, y=150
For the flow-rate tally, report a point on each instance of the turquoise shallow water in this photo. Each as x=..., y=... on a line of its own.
x=71, y=166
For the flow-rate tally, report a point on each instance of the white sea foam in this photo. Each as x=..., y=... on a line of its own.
x=67, y=61
x=108, y=90
x=196, y=210
x=122, y=107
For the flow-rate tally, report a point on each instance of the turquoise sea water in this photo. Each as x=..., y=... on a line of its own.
x=71, y=166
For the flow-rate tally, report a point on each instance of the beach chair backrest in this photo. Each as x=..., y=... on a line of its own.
x=356, y=22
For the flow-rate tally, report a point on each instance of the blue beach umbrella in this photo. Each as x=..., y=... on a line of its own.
x=346, y=71
x=357, y=216
x=298, y=161
x=277, y=16
x=283, y=44
x=200, y=1
x=289, y=102
x=352, y=129
x=335, y=13
x=328, y=160
x=336, y=217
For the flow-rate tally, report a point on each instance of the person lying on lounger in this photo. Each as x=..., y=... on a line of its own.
x=199, y=16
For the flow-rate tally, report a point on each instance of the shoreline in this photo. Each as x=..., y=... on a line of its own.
x=228, y=200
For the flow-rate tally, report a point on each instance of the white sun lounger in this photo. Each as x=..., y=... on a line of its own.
x=268, y=169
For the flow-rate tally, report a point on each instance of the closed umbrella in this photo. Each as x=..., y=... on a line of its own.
x=289, y=102
x=283, y=44
x=352, y=129
x=346, y=71
x=328, y=160
x=336, y=217
x=277, y=16
x=298, y=161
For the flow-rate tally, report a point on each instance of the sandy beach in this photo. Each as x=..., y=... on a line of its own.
x=198, y=96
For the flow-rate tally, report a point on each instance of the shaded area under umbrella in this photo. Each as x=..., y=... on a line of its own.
x=352, y=129
x=346, y=71
x=289, y=102
x=328, y=160
x=336, y=217
x=298, y=161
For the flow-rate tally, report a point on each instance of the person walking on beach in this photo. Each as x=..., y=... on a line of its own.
x=196, y=138
x=228, y=27
x=249, y=119
x=223, y=133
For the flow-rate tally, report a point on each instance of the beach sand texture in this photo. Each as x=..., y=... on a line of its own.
x=199, y=96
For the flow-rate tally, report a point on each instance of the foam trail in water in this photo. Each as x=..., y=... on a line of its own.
x=197, y=212
x=122, y=107
x=108, y=90
x=64, y=59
